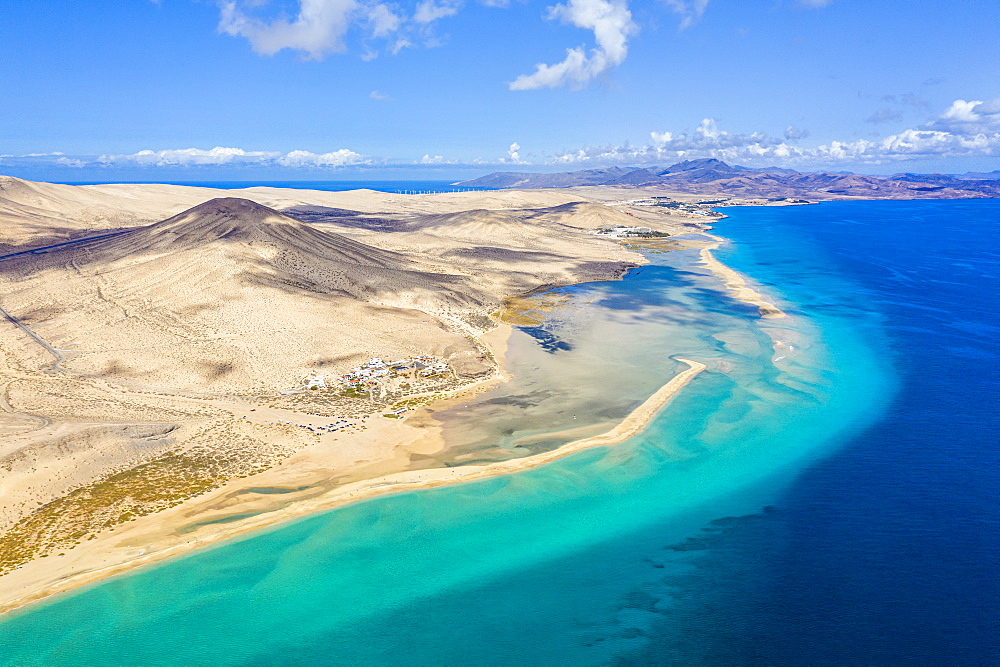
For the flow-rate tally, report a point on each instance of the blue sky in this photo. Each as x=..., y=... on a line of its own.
x=342, y=89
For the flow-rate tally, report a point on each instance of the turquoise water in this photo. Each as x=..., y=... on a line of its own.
x=598, y=558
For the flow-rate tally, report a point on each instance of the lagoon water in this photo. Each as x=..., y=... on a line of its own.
x=829, y=498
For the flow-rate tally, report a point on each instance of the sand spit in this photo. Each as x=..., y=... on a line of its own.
x=124, y=554
x=736, y=283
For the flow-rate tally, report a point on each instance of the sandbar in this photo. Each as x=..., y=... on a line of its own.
x=135, y=555
x=736, y=283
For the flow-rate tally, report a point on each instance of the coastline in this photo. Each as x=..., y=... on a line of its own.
x=350, y=493
x=736, y=282
x=313, y=481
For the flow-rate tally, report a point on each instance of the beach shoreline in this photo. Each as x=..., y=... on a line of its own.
x=736, y=282
x=351, y=493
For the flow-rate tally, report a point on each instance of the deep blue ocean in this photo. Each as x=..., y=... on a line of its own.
x=404, y=187
x=834, y=504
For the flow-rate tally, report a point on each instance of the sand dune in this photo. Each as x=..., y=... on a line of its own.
x=232, y=296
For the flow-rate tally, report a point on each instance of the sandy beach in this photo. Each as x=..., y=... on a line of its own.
x=134, y=545
x=736, y=283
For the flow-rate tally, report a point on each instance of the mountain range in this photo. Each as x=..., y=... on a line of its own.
x=714, y=177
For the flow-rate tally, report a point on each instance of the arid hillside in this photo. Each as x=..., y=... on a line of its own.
x=233, y=296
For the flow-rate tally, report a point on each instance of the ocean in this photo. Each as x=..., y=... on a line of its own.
x=400, y=187
x=825, y=494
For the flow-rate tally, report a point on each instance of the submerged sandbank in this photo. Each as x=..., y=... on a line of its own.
x=354, y=492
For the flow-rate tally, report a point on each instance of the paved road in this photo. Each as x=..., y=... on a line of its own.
x=55, y=246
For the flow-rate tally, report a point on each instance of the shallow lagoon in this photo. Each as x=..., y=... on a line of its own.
x=655, y=551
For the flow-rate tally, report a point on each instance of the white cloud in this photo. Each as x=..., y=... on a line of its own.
x=384, y=20
x=195, y=157
x=429, y=11
x=376, y=95
x=317, y=30
x=708, y=129
x=190, y=156
x=340, y=158
x=690, y=10
x=793, y=133
x=965, y=129
x=707, y=140
x=400, y=44
x=661, y=138
x=612, y=24
x=969, y=118
x=320, y=27
x=815, y=4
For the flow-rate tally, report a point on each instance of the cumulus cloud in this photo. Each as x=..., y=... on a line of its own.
x=384, y=20
x=690, y=10
x=340, y=158
x=196, y=157
x=320, y=27
x=661, y=138
x=317, y=30
x=975, y=117
x=189, y=157
x=793, y=133
x=611, y=22
x=967, y=128
x=964, y=129
x=432, y=10
x=706, y=140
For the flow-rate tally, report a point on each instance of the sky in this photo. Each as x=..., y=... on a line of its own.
x=189, y=90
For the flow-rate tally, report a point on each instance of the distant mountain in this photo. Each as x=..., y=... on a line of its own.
x=714, y=177
x=524, y=180
x=980, y=175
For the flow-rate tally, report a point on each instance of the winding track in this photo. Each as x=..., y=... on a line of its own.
x=38, y=339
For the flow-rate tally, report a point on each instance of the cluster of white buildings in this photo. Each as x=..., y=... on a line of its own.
x=373, y=370
x=377, y=369
x=624, y=232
